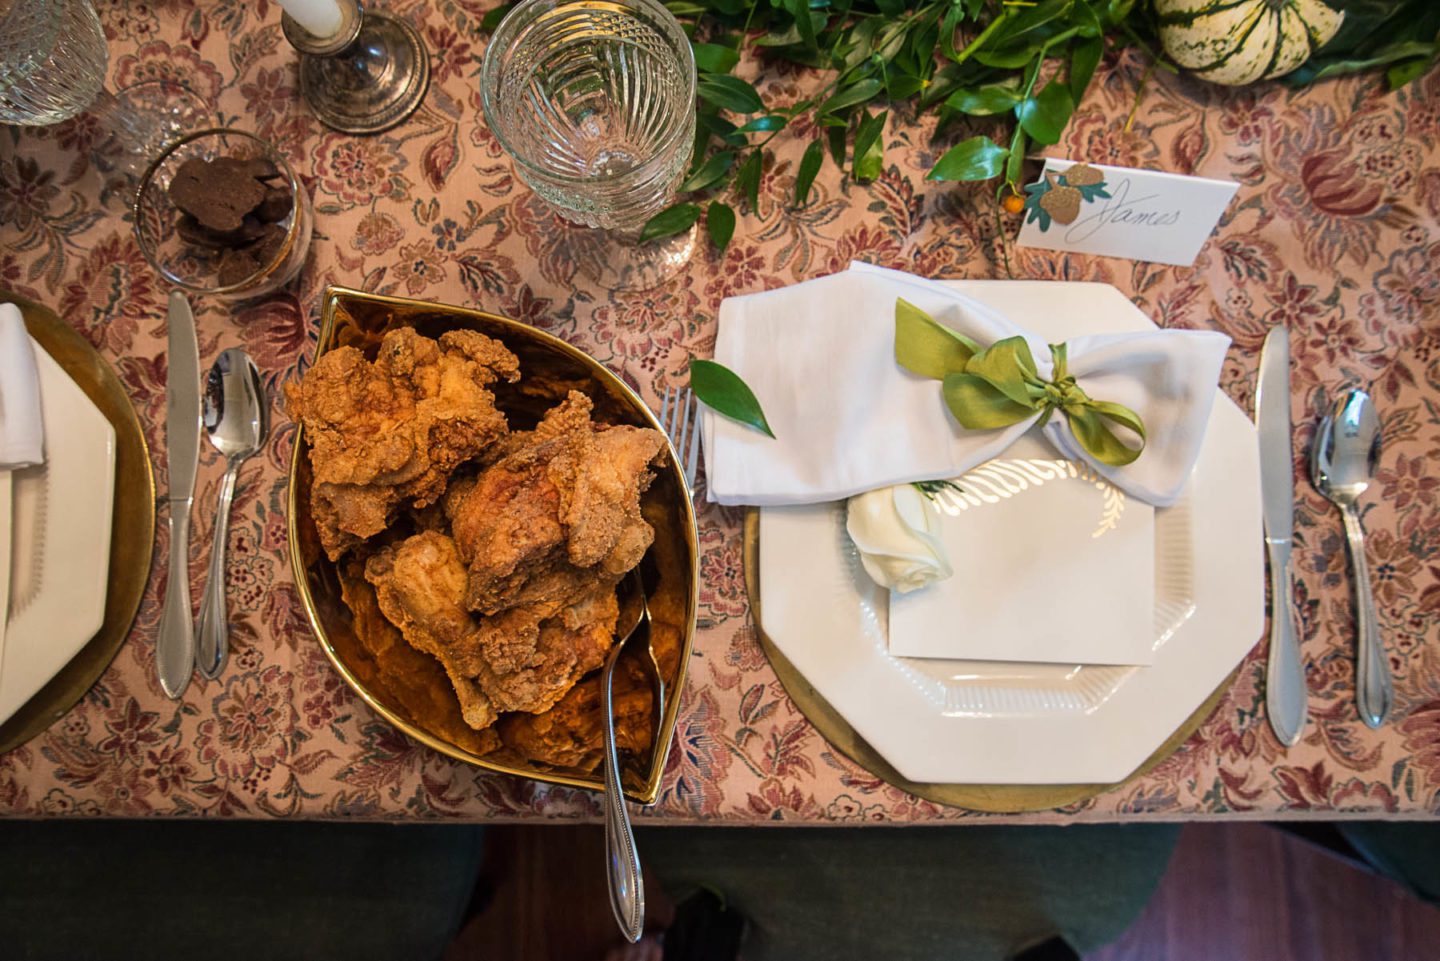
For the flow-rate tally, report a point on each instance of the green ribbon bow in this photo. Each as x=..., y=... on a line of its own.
x=991, y=387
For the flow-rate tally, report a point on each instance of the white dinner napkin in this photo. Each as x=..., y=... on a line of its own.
x=820, y=358
x=22, y=433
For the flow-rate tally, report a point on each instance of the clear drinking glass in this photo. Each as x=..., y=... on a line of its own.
x=595, y=101
x=52, y=66
x=52, y=60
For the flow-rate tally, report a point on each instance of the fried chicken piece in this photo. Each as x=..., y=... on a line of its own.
x=569, y=645
x=420, y=584
x=568, y=735
x=392, y=431
x=571, y=414
x=398, y=671
x=566, y=498
x=523, y=660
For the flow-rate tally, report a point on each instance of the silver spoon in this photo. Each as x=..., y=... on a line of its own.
x=627, y=887
x=1347, y=446
x=237, y=418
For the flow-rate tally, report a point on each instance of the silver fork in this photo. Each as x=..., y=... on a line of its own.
x=678, y=420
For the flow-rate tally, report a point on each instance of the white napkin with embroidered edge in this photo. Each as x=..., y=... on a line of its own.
x=820, y=358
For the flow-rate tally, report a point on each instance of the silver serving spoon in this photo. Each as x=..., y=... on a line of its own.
x=627, y=887
x=237, y=418
x=1347, y=446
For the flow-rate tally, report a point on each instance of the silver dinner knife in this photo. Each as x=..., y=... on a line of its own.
x=175, y=645
x=1285, y=671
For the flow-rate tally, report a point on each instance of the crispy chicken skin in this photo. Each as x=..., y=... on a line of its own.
x=392, y=431
x=568, y=735
x=419, y=585
x=523, y=660
x=563, y=503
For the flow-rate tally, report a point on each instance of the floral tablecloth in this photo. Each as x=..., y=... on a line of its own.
x=1335, y=232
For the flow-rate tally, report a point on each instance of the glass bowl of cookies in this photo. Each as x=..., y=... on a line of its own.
x=221, y=212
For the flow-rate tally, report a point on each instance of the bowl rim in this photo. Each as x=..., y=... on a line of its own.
x=297, y=191
x=650, y=790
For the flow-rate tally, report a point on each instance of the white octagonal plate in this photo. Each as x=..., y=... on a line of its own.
x=992, y=722
x=60, y=540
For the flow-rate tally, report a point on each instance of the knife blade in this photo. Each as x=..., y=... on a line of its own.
x=1285, y=690
x=175, y=644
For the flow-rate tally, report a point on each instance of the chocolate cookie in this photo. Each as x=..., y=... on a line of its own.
x=217, y=193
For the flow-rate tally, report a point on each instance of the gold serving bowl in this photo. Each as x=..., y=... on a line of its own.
x=420, y=700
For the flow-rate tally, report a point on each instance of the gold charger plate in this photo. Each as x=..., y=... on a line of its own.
x=132, y=534
x=992, y=798
x=423, y=704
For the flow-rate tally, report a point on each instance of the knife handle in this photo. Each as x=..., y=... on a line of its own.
x=175, y=644
x=1285, y=690
x=1374, y=688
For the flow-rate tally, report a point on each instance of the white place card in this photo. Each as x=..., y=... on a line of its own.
x=1122, y=212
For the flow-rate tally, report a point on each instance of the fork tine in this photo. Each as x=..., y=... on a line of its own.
x=665, y=411
x=683, y=432
x=693, y=459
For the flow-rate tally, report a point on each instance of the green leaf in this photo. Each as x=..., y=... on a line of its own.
x=722, y=390
x=979, y=405
x=766, y=124
x=836, y=136
x=747, y=181
x=810, y=163
x=927, y=348
x=858, y=92
x=780, y=38
x=984, y=101
x=713, y=58
x=869, y=147
x=800, y=11
x=720, y=224
x=1017, y=157
x=1406, y=71
x=671, y=220
x=1030, y=23
x=492, y=18
x=1044, y=116
x=1084, y=58
x=978, y=158
x=715, y=123
x=710, y=173
x=731, y=93
x=903, y=86
x=1009, y=58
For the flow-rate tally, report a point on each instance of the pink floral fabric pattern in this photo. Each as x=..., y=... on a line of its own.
x=1335, y=232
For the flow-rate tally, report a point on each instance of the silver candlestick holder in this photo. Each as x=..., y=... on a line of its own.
x=368, y=77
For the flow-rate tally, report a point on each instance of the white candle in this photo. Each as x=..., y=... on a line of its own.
x=320, y=17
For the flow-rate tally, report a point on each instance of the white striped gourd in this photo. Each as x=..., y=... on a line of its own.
x=1240, y=41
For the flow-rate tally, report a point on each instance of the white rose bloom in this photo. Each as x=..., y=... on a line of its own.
x=898, y=537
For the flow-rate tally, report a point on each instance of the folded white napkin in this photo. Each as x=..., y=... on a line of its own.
x=22, y=433
x=820, y=358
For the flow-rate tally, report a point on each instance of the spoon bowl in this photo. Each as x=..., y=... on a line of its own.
x=1342, y=463
x=1347, y=449
x=236, y=413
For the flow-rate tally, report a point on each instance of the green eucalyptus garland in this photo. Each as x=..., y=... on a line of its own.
x=961, y=58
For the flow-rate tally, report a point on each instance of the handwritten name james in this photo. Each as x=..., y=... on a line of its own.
x=1121, y=208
